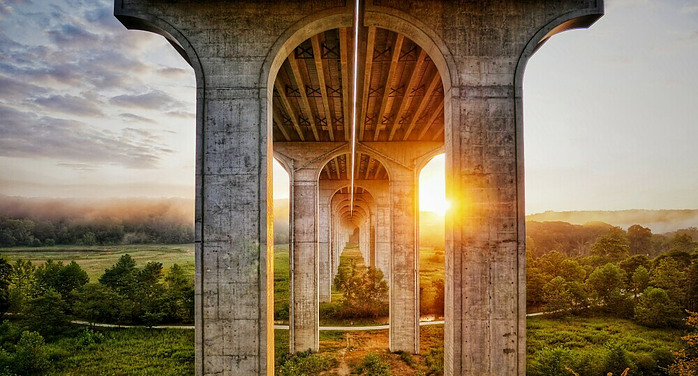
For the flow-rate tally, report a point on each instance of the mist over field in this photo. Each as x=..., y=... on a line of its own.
x=659, y=221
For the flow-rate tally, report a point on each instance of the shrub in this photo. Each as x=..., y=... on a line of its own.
x=435, y=362
x=554, y=361
x=304, y=363
x=364, y=292
x=655, y=309
x=373, y=365
x=29, y=358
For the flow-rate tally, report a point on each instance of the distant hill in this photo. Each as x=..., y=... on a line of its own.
x=660, y=221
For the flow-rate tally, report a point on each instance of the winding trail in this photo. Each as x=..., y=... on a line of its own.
x=280, y=327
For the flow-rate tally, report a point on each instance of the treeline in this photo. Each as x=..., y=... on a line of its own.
x=652, y=280
x=16, y=232
x=47, y=222
x=619, y=276
x=577, y=240
x=46, y=298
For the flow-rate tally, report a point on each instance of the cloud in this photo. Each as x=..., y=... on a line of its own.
x=10, y=88
x=7, y=6
x=78, y=166
x=70, y=104
x=133, y=118
x=689, y=9
x=24, y=134
x=181, y=114
x=153, y=100
x=72, y=36
x=175, y=72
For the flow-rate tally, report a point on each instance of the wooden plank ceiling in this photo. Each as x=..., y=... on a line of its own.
x=401, y=95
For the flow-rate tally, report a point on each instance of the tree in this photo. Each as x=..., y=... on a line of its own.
x=30, y=357
x=5, y=279
x=656, y=310
x=640, y=240
x=630, y=264
x=640, y=280
x=23, y=279
x=692, y=287
x=122, y=276
x=46, y=314
x=667, y=276
x=606, y=285
x=96, y=303
x=178, y=298
x=364, y=291
x=686, y=363
x=683, y=242
x=614, y=246
x=572, y=271
x=556, y=294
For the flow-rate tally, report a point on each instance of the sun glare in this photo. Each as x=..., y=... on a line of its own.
x=432, y=187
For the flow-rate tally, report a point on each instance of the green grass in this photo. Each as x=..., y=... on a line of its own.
x=95, y=259
x=584, y=333
x=128, y=352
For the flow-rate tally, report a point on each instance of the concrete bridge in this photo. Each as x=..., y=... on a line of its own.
x=354, y=98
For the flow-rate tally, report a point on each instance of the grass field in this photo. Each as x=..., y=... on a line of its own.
x=171, y=352
x=94, y=259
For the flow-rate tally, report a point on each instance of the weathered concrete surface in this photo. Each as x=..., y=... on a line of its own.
x=404, y=262
x=480, y=49
x=305, y=259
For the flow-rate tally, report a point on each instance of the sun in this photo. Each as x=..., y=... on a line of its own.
x=432, y=187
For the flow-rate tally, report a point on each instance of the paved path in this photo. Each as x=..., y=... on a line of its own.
x=281, y=327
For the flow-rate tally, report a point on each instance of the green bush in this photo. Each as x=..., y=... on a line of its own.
x=554, y=361
x=656, y=310
x=364, y=291
x=304, y=364
x=373, y=365
x=435, y=362
x=30, y=356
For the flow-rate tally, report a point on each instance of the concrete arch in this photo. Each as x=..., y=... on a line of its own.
x=577, y=19
x=425, y=159
x=329, y=157
x=285, y=162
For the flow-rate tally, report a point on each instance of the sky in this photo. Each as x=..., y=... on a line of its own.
x=91, y=110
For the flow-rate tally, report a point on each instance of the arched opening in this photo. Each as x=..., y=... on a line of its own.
x=432, y=246
x=401, y=105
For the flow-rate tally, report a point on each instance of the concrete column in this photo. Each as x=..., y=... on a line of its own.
x=325, y=257
x=383, y=235
x=404, y=263
x=364, y=233
x=372, y=239
x=304, y=319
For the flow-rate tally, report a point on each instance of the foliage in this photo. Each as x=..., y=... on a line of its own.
x=556, y=294
x=30, y=356
x=668, y=276
x=686, y=363
x=35, y=232
x=614, y=246
x=554, y=361
x=606, y=284
x=364, y=292
x=46, y=314
x=597, y=346
x=434, y=360
x=640, y=240
x=656, y=310
x=5, y=279
x=640, y=280
x=373, y=365
x=304, y=363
